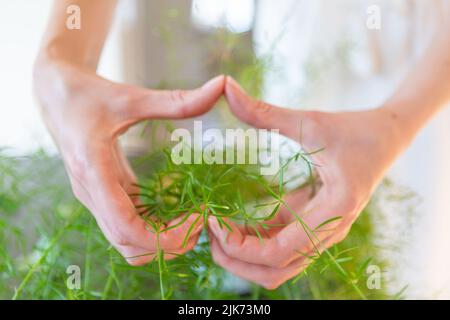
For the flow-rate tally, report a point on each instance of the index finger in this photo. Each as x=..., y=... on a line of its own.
x=117, y=217
x=300, y=237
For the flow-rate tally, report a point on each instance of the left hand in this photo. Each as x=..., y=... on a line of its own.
x=358, y=149
x=86, y=114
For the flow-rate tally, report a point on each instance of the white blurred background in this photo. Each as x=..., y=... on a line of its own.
x=326, y=53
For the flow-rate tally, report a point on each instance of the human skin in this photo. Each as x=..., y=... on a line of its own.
x=359, y=147
x=86, y=114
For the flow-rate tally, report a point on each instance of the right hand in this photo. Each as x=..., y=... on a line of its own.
x=357, y=148
x=85, y=115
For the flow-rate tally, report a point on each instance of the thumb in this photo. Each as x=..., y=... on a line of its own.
x=261, y=114
x=171, y=104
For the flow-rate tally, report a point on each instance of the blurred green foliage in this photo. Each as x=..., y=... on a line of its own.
x=48, y=231
x=44, y=230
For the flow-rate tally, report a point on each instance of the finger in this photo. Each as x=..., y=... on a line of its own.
x=261, y=114
x=137, y=256
x=270, y=278
x=126, y=174
x=312, y=253
x=326, y=221
x=127, y=178
x=297, y=199
x=179, y=230
x=251, y=249
x=305, y=234
x=140, y=104
x=338, y=236
x=116, y=215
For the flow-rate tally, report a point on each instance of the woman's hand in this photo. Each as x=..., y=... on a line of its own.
x=85, y=115
x=358, y=148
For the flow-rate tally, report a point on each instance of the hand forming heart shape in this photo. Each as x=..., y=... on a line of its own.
x=86, y=113
x=358, y=147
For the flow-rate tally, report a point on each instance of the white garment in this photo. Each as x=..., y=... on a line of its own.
x=323, y=56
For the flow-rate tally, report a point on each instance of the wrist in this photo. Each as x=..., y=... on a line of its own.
x=55, y=80
x=400, y=122
x=59, y=51
x=47, y=61
x=46, y=73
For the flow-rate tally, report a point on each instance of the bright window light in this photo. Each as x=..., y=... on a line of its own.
x=235, y=15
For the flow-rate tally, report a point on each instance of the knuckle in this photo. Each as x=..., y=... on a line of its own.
x=171, y=241
x=183, y=108
x=262, y=110
x=176, y=103
x=78, y=167
x=118, y=238
x=178, y=96
x=261, y=107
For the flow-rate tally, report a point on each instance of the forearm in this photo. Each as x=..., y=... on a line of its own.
x=425, y=90
x=80, y=47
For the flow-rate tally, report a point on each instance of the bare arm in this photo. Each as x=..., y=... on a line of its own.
x=426, y=89
x=82, y=47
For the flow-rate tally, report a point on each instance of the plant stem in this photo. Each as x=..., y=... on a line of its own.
x=44, y=255
x=110, y=279
x=87, y=263
x=160, y=267
x=310, y=233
